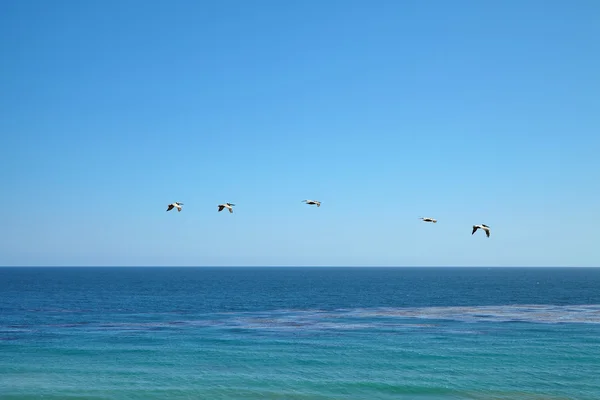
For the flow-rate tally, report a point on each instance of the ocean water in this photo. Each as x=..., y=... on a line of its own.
x=299, y=333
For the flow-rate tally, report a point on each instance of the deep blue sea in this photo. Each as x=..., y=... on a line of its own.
x=299, y=333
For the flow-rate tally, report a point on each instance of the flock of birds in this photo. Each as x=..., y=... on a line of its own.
x=483, y=227
x=229, y=206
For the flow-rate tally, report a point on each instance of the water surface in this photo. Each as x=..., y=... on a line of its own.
x=299, y=333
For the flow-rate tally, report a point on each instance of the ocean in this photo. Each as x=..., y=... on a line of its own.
x=299, y=333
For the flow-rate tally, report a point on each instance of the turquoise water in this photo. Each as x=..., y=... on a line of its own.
x=299, y=333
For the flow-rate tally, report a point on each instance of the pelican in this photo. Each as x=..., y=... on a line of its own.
x=312, y=202
x=482, y=226
x=176, y=204
x=227, y=206
x=429, y=220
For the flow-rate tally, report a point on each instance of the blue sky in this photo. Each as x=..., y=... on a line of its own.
x=467, y=111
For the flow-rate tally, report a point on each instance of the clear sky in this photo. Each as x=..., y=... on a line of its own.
x=467, y=111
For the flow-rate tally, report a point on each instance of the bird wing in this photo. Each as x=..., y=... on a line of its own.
x=318, y=204
x=170, y=207
x=178, y=209
x=221, y=208
x=230, y=209
x=474, y=229
x=487, y=232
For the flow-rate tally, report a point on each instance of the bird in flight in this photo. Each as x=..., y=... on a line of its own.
x=227, y=206
x=312, y=202
x=429, y=220
x=482, y=226
x=173, y=205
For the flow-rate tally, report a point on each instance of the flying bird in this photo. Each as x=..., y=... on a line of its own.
x=312, y=202
x=482, y=226
x=176, y=204
x=227, y=206
x=429, y=220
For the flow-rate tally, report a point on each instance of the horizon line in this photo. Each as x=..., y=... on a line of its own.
x=297, y=266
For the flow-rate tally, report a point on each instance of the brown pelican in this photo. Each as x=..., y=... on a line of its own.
x=227, y=206
x=176, y=204
x=312, y=202
x=429, y=220
x=482, y=226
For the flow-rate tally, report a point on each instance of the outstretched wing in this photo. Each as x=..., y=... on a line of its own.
x=487, y=232
x=171, y=206
x=474, y=229
x=221, y=208
x=178, y=209
x=230, y=210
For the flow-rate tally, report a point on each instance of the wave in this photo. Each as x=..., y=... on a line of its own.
x=533, y=313
x=394, y=317
x=354, y=319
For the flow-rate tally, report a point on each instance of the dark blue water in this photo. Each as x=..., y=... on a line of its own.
x=300, y=333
